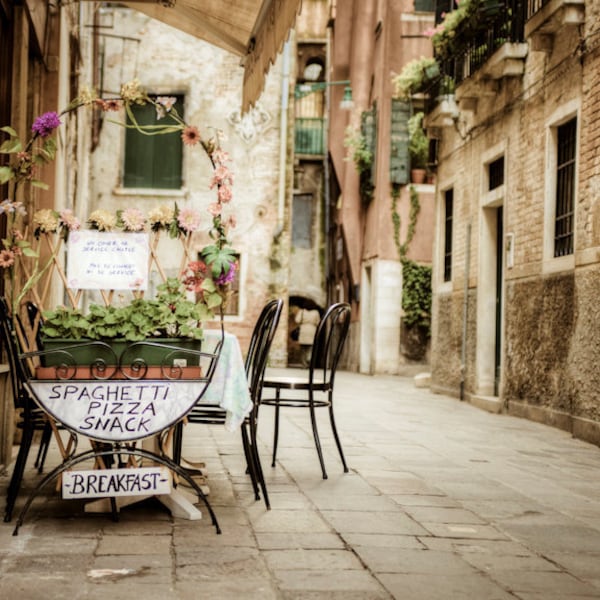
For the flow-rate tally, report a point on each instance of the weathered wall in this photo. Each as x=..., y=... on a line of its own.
x=550, y=317
x=167, y=61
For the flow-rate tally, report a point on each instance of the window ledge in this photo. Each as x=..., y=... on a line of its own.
x=550, y=19
x=154, y=192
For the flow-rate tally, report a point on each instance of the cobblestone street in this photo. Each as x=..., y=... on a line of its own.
x=443, y=501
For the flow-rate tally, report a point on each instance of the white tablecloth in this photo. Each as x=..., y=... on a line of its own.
x=229, y=386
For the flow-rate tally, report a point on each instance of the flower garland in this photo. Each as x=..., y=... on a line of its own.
x=219, y=259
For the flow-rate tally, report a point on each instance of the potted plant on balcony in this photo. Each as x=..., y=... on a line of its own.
x=415, y=77
x=418, y=148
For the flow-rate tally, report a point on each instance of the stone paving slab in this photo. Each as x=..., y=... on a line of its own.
x=442, y=500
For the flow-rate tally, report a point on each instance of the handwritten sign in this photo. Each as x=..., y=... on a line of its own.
x=115, y=410
x=104, y=260
x=100, y=483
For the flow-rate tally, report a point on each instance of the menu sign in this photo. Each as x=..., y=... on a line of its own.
x=106, y=260
x=143, y=481
x=115, y=410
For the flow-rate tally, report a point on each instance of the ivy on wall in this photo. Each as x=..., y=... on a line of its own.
x=416, y=279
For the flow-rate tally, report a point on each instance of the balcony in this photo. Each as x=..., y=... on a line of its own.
x=480, y=49
x=545, y=18
x=309, y=136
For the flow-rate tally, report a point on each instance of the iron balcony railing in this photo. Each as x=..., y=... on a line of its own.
x=309, y=136
x=534, y=6
x=476, y=41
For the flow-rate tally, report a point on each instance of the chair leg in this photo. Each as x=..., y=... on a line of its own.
x=313, y=420
x=17, y=474
x=275, y=429
x=250, y=464
x=258, y=466
x=177, y=442
x=40, y=459
x=336, y=436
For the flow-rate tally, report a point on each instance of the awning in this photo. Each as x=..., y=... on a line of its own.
x=255, y=30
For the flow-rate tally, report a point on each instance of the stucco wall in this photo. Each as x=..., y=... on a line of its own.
x=167, y=61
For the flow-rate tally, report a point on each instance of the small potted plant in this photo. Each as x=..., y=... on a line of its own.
x=418, y=148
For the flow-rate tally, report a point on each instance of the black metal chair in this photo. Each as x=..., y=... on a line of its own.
x=255, y=365
x=317, y=386
x=32, y=418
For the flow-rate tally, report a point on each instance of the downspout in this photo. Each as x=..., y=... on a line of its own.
x=283, y=137
x=463, y=349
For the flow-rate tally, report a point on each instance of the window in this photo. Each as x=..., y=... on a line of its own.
x=448, y=210
x=152, y=161
x=496, y=174
x=566, y=141
x=302, y=210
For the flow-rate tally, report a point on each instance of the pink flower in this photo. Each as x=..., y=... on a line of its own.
x=7, y=258
x=221, y=176
x=45, y=124
x=224, y=194
x=189, y=219
x=133, y=219
x=190, y=135
x=215, y=209
x=69, y=220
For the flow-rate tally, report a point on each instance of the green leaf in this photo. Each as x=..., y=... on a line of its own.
x=6, y=174
x=9, y=130
x=11, y=146
x=39, y=184
x=30, y=252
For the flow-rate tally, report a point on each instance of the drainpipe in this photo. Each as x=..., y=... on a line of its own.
x=463, y=349
x=283, y=137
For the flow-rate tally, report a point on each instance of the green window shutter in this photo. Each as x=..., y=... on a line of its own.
x=399, y=142
x=153, y=161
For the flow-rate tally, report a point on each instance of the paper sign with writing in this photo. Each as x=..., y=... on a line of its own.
x=106, y=260
x=114, y=410
x=101, y=483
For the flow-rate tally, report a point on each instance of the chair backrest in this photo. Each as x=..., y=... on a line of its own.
x=260, y=345
x=16, y=366
x=328, y=343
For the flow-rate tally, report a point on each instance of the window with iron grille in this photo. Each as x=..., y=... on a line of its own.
x=496, y=174
x=566, y=142
x=448, y=213
x=152, y=161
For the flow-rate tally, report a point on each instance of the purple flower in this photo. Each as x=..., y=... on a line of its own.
x=45, y=124
x=225, y=278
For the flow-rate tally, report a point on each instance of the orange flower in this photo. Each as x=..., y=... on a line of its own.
x=190, y=135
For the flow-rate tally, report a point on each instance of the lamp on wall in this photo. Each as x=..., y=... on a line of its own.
x=304, y=89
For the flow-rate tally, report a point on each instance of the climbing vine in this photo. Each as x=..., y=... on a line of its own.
x=416, y=286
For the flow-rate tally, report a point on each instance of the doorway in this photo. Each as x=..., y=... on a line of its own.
x=489, y=302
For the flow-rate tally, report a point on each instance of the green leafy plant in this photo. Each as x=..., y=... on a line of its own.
x=359, y=151
x=416, y=279
x=415, y=76
x=170, y=314
x=418, y=144
x=416, y=295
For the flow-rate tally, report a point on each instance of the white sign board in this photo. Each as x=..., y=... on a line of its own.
x=106, y=260
x=115, y=410
x=100, y=483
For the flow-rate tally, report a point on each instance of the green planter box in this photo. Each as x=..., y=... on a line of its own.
x=153, y=351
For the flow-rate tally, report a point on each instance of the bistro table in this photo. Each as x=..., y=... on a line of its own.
x=120, y=412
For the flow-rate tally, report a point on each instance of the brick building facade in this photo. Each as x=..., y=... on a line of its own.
x=517, y=261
